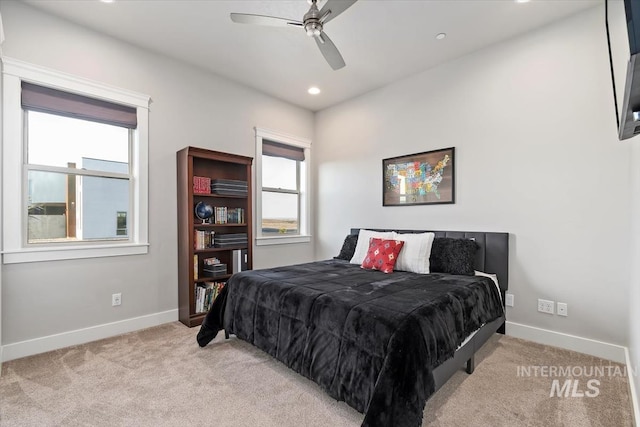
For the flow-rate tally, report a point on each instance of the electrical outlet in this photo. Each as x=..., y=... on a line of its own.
x=545, y=306
x=508, y=300
x=116, y=299
x=563, y=310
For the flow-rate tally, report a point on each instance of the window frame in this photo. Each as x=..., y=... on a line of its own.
x=304, y=185
x=16, y=248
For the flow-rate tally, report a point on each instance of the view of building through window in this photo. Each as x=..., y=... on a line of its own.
x=78, y=179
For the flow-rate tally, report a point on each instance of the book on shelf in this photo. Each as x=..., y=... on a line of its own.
x=201, y=185
x=203, y=239
x=195, y=267
x=235, y=216
x=215, y=270
x=211, y=261
x=230, y=239
x=226, y=215
x=221, y=215
x=239, y=260
x=229, y=187
x=213, y=267
x=205, y=294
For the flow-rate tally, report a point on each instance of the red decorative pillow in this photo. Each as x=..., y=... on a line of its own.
x=382, y=254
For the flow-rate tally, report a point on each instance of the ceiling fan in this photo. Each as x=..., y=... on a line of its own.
x=313, y=23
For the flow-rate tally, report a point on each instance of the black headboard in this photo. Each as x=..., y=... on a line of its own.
x=492, y=256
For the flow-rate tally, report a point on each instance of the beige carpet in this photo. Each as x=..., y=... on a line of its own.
x=160, y=377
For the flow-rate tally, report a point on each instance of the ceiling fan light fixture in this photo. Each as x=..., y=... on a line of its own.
x=313, y=90
x=313, y=29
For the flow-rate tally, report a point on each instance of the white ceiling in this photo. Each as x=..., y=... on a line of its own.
x=381, y=40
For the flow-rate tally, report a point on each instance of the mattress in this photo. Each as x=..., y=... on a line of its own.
x=367, y=338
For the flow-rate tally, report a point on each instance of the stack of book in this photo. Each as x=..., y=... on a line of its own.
x=220, y=216
x=215, y=270
x=229, y=187
x=211, y=261
x=201, y=185
x=226, y=240
x=235, y=216
x=205, y=294
x=203, y=239
x=225, y=215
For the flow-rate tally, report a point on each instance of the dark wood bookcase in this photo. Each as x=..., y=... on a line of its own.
x=213, y=165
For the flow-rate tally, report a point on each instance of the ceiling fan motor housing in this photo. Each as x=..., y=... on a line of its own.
x=312, y=22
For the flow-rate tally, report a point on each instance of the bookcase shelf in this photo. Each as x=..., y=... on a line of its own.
x=212, y=279
x=210, y=166
x=197, y=225
x=211, y=250
x=219, y=196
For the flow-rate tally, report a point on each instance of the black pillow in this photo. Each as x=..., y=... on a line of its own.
x=453, y=256
x=348, y=247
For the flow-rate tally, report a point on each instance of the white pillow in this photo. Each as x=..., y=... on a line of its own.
x=363, y=243
x=415, y=253
x=493, y=277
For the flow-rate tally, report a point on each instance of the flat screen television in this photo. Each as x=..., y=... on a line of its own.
x=623, y=35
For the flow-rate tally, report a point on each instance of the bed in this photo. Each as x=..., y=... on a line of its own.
x=383, y=343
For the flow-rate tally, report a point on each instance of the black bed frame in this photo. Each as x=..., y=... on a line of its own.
x=492, y=257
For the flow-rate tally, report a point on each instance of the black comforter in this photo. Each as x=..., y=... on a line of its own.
x=367, y=338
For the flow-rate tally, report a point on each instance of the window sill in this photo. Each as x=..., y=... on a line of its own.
x=72, y=252
x=282, y=240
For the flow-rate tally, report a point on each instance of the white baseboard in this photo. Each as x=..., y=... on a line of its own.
x=632, y=387
x=600, y=349
x=81, y=336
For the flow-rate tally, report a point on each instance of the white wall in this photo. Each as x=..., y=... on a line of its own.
x=620, y=58
x=537, y=155
x=634, y=285
x=1, y=237
x=189, y=107
x=634, y=297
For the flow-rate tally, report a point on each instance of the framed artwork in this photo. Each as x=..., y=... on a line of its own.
x=419, y=179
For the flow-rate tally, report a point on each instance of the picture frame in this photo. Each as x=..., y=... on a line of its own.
x=426, y=178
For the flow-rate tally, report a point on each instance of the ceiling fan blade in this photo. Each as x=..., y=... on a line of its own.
x=330, y=51
x=246, y=18
x=333, y=8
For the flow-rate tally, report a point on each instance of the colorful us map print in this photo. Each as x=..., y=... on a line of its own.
x=415, y=179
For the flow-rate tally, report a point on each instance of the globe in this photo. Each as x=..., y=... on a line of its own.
x=204, y=211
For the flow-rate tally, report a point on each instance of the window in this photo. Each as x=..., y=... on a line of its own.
x=80, y=165
x=79, y=153
x=280, y=188
x=282, y=183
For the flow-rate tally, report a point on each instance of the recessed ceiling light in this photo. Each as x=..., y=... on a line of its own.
x=313, y=90
x=522, y=1
x=107, y=1
x=440, y=36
